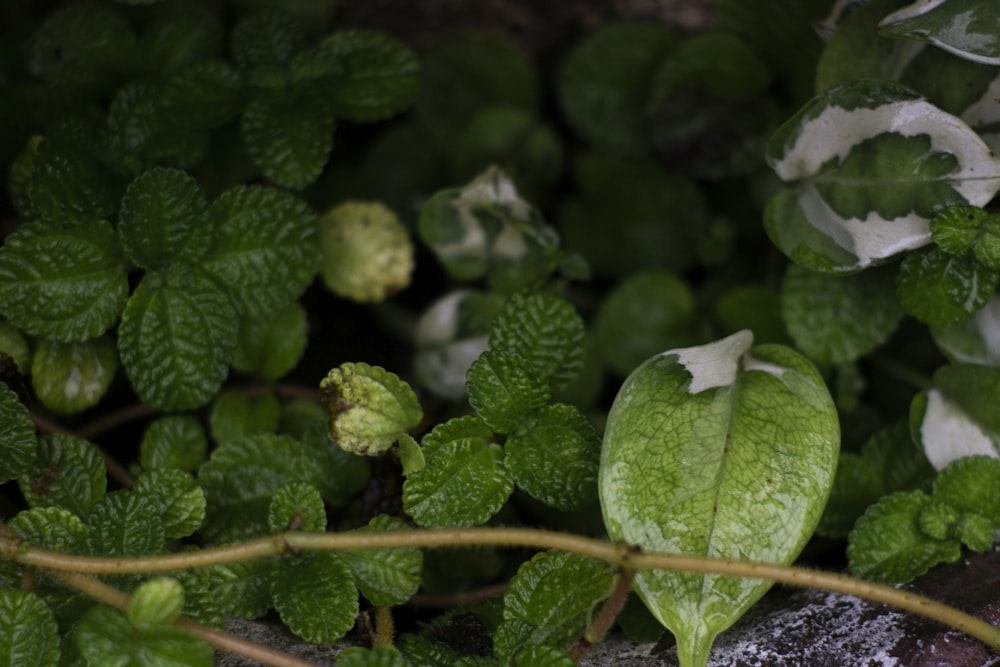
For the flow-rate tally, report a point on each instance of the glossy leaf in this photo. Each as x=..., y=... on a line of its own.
x=367, y=252
x=548, y=601
x=369, y=407
x=176, y=339
x=17, y=433
x=69, y=186
x=71, y=377
x=125, y=523
x=946, y=432
x=265, y=251
x=177, y=496
x=28, y=631
x=67, y=472
x=544, y=329
x=244, y=590
x=465, y=481
x=63, y=283
x=315, y=597
x=164, y=217
x=504, y=387
x=105, y=637
x=386, y=577
x=52, y=528
x=868, y=164
x=942, y=289
x=969, y=485
x=966, y=28
x=837, y=319
x=271, y=346
x=288, y=139
x=378, y=76
x=553, y=456
x=235, y=415
x=175, y=441
x=155, y=602
x=958, y=229
x=973, y=341
x=695, y=437
x=297, y=506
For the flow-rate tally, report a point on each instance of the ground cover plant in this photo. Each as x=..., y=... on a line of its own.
x=418, y=344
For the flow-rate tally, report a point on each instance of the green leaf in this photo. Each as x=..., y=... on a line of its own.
x=970, y=485
x=176, y=339
x=28, y=631
x=887, y=544
x=867, y=164
x=754, y=307
x=235, y=415
x=339, y=475
x=972, y=342
x=644, y=314
x=71, y=377
x=937, y=519
x=942, y=289
x=63, y=283
x=976, y=390
x=548, y=601
x=52, y=528
x=67, y=472
x=367, y=252
x=553, y=456
x=180, y=34
x=465, y=481
x=976, y=531
x=603, y=83
x=268, y=37
x=837, y=319
x=543, y=656
x=178, y=497
x=315, y=597
x=13, y=344
x=297, y=506
x=946, y=432
x=105, y=637
x=380, y=656
x=175, y=441
x=450, y=335
x=164, y=217
x=265, y=250
x=83, y=47
x=17, y=433
x=125, y=523
x=966, y=28
x=202, y=95
x=957, y=229
x=155, y=602
x=504, y=387
x=69, y=186
x=241, y=478
x=544, y=329
x=411, y=457
x=369, y=406
x=386, y=577
x=244, y=590
x=288, y=139
x=377, y=75
x=695, y=437
x=271, y=345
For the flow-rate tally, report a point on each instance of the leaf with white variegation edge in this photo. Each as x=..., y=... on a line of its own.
x=966, y=28
x=722, y=450
x=867, y=164
x=946, y=432
x=975, y=341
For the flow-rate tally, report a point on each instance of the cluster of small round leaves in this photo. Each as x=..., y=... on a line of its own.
x=503, y=387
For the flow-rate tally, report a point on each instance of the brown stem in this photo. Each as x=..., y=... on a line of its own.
x=115, y=419
x=600, y=626
x=462, y=599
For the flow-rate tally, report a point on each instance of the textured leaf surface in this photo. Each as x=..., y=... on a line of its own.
x=155, y=602
x=17, y=433
x=67, y=472
x=695, y=437
x=544, y=329
x=548, y=601
x=105, y=637
x=554, y=455
x=125, y=523
x=942, y=289
x=202, y=95
x=28, y=632
x=386, y=577
x=966, y=28
x=378, y=75
x=958, y=229
x=369, y=407
x=71, y=377
x=297, y=506
x=270, y=346
x=175, y=441
x=63, y=283
x=266, y=38
x=465, y=481
x=315, y=597
x=868, y=164
x=176, y=339
x=164, y=217
x=970, y=485
x=836, y=319
x=51, y=528
x=288, y=139
x=69, y=186
x=504, y=387
x=177, y=496
x=235, y=415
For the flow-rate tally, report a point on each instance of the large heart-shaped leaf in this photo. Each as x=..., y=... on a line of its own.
x=868, y=164
x=718, y=450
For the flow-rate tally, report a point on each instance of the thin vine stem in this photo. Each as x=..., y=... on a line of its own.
x=617, y=555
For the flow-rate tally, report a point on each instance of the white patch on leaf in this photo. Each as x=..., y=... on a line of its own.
x=715, y=364
x=947, y=433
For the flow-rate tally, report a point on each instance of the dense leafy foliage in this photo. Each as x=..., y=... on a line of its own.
x=263, y=271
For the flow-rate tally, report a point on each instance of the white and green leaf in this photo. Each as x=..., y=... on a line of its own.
x=966, y=28
x=975, y=341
